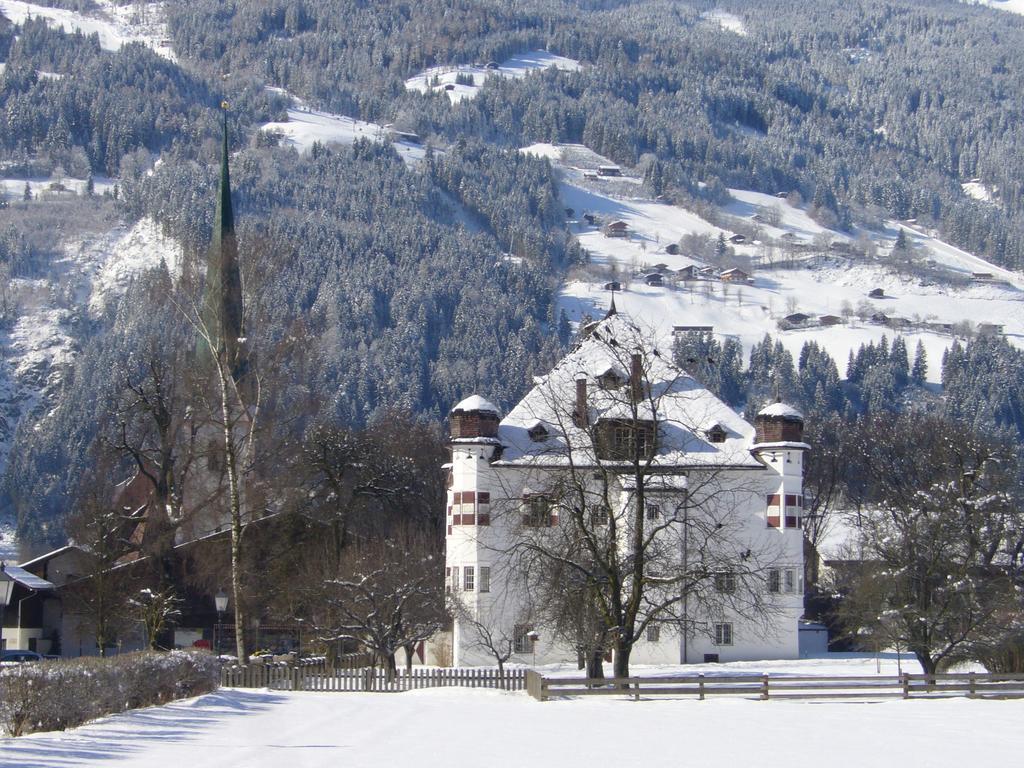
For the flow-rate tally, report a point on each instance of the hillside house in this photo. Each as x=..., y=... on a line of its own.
x=795, y=320
x=982, y=277
x=990, y=329
x=614, y=285
x=672, y=249
x=655, y=278
x=591, y=219
x=521, y=480
x=738, y=239
x=688, y=273
x=609, y=170
x=829, y=320
x=617, y=228
x=680, y=330
x=876, y=293
x=735, y=275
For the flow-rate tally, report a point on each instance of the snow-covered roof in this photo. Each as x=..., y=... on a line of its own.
x=477, y=403
x=680, y=405
x=26, y=579
x=781, y=410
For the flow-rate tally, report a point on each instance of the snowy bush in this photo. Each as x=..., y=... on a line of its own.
x=56, y=695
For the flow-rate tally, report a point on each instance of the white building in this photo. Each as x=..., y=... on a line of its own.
x=614, y=452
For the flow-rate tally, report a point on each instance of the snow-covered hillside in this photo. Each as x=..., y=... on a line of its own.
x=464, y=81
x=795, y=270
x=115, y=24
x=39, y=349
x=305, y=127
x=1012, y=6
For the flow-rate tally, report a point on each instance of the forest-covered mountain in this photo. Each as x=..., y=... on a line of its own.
x=410, y=284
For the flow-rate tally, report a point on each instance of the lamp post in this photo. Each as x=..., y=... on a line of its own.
x=533, y=636
x=220, y=601
x=6, y=589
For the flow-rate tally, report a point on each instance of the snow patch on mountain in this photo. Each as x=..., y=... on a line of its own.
x=140, y=248
x=464, y=81
x=115, y=25
x=727, y=21
x=306, y=126
x=1011, y=6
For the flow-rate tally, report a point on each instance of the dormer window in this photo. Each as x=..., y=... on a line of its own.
x=625, y=439
x=715, y=434
x=538, y=433
x=610, y=380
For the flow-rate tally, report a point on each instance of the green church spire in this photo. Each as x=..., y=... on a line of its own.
x=222, y=301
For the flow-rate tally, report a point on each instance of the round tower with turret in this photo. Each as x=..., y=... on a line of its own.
x=779, y=443
x=474, y=444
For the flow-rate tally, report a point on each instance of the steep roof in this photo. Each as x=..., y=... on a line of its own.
x=682, y=407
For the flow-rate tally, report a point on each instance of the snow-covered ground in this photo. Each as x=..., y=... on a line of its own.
x=749, y=311
x=115, y=24
x=1013, y=6
x=726, y=20
x=978, y=191
x=457, y=727
x=306, y=126
x=14, y=189
x=444, y=78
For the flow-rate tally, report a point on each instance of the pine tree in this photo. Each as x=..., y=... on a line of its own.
x=920, y=370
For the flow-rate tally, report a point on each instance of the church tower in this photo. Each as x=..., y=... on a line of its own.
x=222, y=299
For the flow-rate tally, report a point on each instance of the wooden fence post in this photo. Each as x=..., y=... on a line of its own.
x=764, y=687
x=700, y=686
x=973, y=690
x=906, y=685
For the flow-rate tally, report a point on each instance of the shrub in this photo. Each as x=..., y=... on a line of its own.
x=55, y=695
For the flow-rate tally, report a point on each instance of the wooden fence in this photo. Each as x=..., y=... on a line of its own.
x=318, y=676
x=766, y=687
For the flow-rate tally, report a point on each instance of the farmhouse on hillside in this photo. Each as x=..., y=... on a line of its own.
x=613, y=444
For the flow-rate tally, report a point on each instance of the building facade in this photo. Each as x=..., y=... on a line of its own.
x=616, y=457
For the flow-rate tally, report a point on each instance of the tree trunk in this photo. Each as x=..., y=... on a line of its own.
x=595, y=663
x=390, y=667
x=235, y=502
x=621, y=660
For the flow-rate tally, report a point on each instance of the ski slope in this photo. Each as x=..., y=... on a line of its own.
x=115, y=25
x=444, y=78
x=1012, y=6
x=749, y=311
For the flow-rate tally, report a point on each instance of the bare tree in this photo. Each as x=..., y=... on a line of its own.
x=942, y=540
x=386, y=596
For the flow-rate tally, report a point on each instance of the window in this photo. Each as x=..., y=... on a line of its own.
x=469, y=578
x=521, y=642
x=653, y=511
x=723, y=634
x=653, y=633
x=537, y=511
x=485, y=578
x=624, y=439
x=455, y=578
x=725, y=583
x=787, y=580
x=600, y=517
x=716, y=434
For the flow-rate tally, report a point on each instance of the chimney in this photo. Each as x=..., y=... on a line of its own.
x=636, y=378
x=579, y=413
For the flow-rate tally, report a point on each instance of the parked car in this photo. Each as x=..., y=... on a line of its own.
x=19, y=657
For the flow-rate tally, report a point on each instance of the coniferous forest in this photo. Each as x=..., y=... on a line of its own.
x=376, y=286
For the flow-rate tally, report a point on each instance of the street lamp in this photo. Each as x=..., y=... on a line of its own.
x=6, y=589
x=533, y=636
x=220, y=601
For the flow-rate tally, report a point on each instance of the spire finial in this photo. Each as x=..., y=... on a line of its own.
x=611, y=309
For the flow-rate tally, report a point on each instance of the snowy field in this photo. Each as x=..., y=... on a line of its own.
x=452, y=727
x=306, y=126
x=727, y=21
x=115, y=25
x=444, y=78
